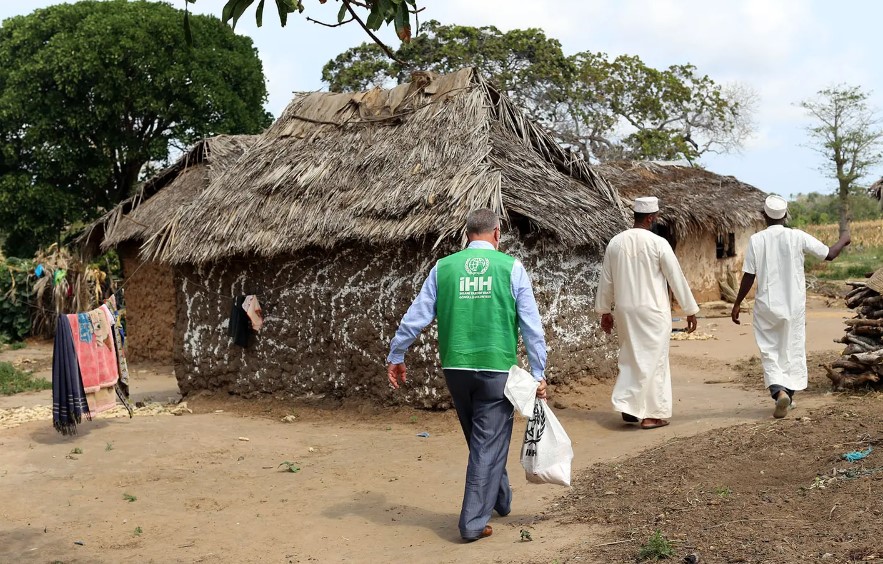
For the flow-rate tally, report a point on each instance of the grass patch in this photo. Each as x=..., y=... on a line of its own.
x=853, y=263
x=656, y=548
x=14, y=381
x=129, y=497
x=17, y=346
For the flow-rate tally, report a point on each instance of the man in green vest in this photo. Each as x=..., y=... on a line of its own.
x=481, y=298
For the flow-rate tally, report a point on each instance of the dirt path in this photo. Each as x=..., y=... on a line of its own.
x=368, y=490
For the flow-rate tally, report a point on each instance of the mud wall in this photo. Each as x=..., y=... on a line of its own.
x=330, y=315
x=150, y=308
x=697, y=255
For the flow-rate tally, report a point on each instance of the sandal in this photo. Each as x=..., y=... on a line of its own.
x=658, y=423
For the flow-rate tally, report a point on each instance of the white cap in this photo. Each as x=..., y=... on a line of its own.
x=647, y=204
x=775, y=207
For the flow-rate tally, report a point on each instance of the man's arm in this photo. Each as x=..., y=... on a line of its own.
x=419, y=315
x=604, y=296
x=671, y=269
x=744, y=288
x=834, y=251
x=530, y=324
x=749, y=270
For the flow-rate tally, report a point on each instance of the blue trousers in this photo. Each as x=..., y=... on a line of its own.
x=486, y=417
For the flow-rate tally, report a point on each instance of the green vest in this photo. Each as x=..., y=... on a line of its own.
x=477, y=319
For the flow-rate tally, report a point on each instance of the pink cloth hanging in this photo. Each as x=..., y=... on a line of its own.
x=96, y=355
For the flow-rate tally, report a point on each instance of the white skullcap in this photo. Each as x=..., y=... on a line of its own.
x=647, y=204
x=775, y=207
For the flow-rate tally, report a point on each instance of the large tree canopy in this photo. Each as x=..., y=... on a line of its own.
x=91, y=92
x=606, y=108
x=848, y=134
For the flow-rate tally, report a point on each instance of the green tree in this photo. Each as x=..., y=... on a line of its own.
x=91, y=92
x=604, y=108
x=371, y=15
x=846, y=131
x=821, y=209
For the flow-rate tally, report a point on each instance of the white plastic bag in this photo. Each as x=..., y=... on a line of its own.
x=521, y=390
x=547, y=452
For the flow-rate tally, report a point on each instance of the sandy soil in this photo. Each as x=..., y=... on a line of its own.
x=208, y=485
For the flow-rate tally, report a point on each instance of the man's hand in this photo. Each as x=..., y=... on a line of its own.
x=396, y=372
x=541, y=389
x=607, y=322
x=691, y=323
x=734, y=315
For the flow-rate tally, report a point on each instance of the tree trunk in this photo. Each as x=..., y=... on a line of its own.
x=843, y=194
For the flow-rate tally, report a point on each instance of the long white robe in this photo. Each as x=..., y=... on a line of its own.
x=776, y=256
x=639, y=266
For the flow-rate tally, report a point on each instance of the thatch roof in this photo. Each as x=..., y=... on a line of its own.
x=691, y=199
x=386, y=166
x=139, y=217
x=876, y=190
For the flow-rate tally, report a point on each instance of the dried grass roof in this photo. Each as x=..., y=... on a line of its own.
x=691, y=199
x=385, y=166
x=876, y=190
x=144, y=214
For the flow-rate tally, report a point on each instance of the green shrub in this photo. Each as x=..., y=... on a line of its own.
x=656, y=548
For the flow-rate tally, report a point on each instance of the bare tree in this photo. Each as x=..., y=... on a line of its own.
x=847, y=132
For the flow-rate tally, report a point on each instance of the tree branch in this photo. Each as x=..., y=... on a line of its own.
x=370, y=33
x=309, y=19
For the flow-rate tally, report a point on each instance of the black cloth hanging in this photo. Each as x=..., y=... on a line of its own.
x=68, y=396
x=240, y=326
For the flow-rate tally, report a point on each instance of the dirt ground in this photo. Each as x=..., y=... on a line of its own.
x=207, y=485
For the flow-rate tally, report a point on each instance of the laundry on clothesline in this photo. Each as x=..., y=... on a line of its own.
x=89, y=371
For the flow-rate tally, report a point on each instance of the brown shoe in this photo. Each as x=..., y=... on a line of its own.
x=488, y=531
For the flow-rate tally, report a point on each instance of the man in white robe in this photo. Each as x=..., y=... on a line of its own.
x=775, y=258
x=639, y=267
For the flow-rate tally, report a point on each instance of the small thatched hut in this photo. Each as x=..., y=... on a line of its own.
x=876, y=190
x=337, y=213
x=707, y=218
x=150, y=287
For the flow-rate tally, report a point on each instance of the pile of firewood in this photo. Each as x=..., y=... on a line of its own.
x=861, y=363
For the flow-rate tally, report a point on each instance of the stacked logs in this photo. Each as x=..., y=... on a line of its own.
x=861, y=363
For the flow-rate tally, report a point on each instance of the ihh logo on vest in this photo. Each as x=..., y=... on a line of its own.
x=477, y=266
x=476, y=286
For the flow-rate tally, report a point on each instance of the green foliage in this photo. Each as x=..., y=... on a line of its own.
x=129, y=497
x=15, y=293
x=14, y=381
x=290, y=466
x=853, y=263
x=92, y=91
x=138, y=531
x=723, y=491
x=380, y=12
x=107, y=448
x=821, y=209
x=77, y=450
x=606, y=109
x=656, y=548
x=847, y=133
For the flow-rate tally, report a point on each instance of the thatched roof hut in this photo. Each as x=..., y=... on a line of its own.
x=691, y=199
x=386, y=166
x=707, y=217
x=142, y=215
x=876, y=190
x=336, y=214
x=150, y=286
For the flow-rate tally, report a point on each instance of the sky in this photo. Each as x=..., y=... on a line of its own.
x=784, y=50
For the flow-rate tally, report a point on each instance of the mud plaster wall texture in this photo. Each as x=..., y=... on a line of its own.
x=150, y=309
x=332, y=314
x=697, y=255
